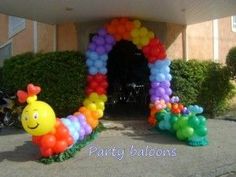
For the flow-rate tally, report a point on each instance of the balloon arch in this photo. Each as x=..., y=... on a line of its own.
x=166, y=112
x=59, y=139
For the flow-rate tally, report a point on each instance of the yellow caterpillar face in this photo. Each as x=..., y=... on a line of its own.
x=38, y=118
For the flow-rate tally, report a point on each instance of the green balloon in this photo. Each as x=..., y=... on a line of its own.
x=188, y=132
x=202, y=131
x=180, y=135
x=202, y=120
x=160, y=116
x=193, y=121
x=183, y=121
x=173, y=119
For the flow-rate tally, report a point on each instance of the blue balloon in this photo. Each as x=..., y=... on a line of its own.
x=93, y=55
x=93, y=70
x=103, y=70
x=104, y=57
x=98, y=63
x=89, y=62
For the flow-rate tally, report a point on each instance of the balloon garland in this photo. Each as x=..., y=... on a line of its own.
x=54, y=136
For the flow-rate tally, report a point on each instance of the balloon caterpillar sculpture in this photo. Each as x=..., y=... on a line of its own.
x=51, y=134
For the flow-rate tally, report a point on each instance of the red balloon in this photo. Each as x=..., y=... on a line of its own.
x=93, y=84
x=36, y=139
x=62, y=132
x=48, y=141
x=70, y=140
x=99, y=77
x=89, y=78
x=46, y=152
x=100, y=90
x=60, y=146
x=88, y=91
x=104, y=84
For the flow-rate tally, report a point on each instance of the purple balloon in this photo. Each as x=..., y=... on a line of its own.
x=87, y=129
x=168, y=91
x=155, y=84
x=151, y=91
x=154, y=99
x=100, y=50
x=166, y=98
x=161, y=90
x=94, y=39
x=108, y=47
x=102, y=32
x=81, y=117
x=81, y=134
x=165, y=84
x=100, y=41
x=92, y=46
x=109, y=39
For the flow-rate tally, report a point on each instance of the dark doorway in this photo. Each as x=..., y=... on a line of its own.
x=128, y=76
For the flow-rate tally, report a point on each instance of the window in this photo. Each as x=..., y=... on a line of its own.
x=16, y=24
x=5, y=52
x=233, y=23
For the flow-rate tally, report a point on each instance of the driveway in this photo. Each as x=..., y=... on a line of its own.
x=127, y=148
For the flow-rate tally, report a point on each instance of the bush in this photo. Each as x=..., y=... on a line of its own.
x=204, y=83
x=0, y=78
x=231, y=61
x=61, y=75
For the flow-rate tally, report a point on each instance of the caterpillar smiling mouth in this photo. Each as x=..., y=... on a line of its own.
x=34, y=126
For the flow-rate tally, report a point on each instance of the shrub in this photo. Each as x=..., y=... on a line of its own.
x=61, y=76
x=204, y=83
x=0, y=78
x=231, y=61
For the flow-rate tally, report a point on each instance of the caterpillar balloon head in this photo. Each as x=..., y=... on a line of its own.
x=38, y=118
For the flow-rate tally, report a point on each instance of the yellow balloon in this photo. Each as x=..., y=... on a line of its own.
x=143, y=31
x=38, y=118
x=91, y=107
x=137, y=23
x=100, y=113
x=93, y=96
x=103, y=98
x=86, y=102
x=135, y=32
x=100, y=105
x=151, y=35
x=136, y=41
x=144, y=41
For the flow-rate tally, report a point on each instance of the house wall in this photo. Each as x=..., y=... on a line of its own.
x=46, y=37
x=227, y=38
x=200, y=41
x=67, y=38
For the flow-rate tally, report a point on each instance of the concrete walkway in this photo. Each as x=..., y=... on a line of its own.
x=126, y=149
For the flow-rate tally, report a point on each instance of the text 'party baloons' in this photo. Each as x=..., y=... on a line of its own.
x=55, y=136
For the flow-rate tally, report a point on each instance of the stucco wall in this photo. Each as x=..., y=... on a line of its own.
x=23, y=41
x=227, y=38
x=67, y=38
x=3, y=28
x=200, y=41
x=169, y=34
x=45, y=37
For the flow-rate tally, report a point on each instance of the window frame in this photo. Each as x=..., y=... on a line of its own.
x=233, y=23
x=18, y=28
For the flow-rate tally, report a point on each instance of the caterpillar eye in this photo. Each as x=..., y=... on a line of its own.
x=26, y=118
x=36, y=115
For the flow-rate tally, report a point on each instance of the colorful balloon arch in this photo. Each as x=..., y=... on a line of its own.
x=55, y=136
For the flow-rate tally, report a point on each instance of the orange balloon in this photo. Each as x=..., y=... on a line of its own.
x=129, y=26
x=111, y=29
x=115, y=22
x=152, y=121
x=58, y=122
x=118, y=37
x=95, y=114
x=126, y=36
x=121, y=29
